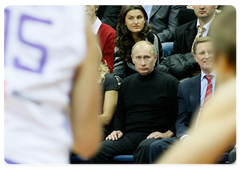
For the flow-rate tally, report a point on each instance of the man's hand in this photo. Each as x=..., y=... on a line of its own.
x=115, y=135
x=160, y=135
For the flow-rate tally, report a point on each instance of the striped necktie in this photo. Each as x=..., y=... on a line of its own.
x=199, y=34
x=208, y=95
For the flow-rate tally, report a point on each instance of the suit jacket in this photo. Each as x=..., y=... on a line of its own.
x=181, y=62
x=107, y=36
x=164, y=19
x=184, y=37
x=185, y=15
x=109, y=14
x=188, y=103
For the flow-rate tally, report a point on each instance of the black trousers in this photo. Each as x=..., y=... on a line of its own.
x=141, y=154
x=157, y=148
x=151, y=149
x=124, y=146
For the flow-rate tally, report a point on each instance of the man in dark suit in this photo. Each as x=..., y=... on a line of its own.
x=191, y=93
x=164, y=20
x=181, y=63
x=186, y=33
x=216, y=130
x=187, y=14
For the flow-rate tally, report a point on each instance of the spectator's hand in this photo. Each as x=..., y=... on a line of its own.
x=160, y=135
x=156, y=135
x=115, y=135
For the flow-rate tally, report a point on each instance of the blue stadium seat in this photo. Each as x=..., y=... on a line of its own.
x=123, y=159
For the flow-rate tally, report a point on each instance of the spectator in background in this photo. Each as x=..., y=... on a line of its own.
x=181, y=63
x=187, y=14
x=191, y=96
x=164, y=21
x=108, y=14
x=53, y=64
x=132, y=27
x=192, y=92
x=147, y=103
x=109, y=86
x=216, y=130
x=105, y=33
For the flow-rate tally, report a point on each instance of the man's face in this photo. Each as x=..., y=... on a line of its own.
x=204, y=56
x=143, y=59
x=91, y=11
x=203, y=11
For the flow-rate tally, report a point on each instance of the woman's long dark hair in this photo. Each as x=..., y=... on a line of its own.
x=124, y=40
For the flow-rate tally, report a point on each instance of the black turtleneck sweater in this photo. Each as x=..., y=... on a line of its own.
x=147, y=103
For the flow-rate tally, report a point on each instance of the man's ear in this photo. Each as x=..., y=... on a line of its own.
x=156, y=57
x=132, y=59
x=195, y=57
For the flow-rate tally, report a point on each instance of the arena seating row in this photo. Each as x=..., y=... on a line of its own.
x=128, y=159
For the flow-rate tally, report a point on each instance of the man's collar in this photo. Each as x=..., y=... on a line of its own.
x=96, y=25
x=206, y=26
x=212, y=73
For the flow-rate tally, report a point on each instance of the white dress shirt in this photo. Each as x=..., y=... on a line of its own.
x=96, y=25
x=206, y=27
x=148, y=9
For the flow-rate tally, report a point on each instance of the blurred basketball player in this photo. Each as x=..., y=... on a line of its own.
x=50, y=62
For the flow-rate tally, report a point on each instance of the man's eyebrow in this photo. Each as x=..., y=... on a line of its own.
x=137, y=56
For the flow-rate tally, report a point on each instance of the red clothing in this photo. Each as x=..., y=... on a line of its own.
x=107, y=36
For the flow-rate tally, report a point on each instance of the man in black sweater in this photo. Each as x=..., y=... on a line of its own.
x=147, y=106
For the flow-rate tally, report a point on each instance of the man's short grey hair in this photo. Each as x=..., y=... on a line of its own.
x=200, y=40
x=154, y=52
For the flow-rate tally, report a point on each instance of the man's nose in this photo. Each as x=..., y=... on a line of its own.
x=202, y=6
x=143, y=62
x=208, y=54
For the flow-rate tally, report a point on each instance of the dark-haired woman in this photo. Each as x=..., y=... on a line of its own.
x=131, y=28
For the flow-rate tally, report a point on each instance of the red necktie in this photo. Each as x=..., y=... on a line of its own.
x=208, y=95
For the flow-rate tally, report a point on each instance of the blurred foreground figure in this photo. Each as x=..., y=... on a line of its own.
x=51, y=62
x=216, y=130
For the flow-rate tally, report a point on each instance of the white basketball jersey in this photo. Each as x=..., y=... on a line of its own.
x=43, y=47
